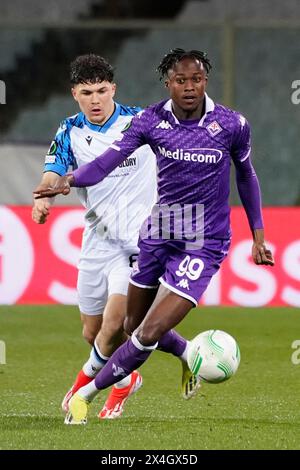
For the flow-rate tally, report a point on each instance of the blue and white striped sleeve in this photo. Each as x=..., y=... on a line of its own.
x=60, y=155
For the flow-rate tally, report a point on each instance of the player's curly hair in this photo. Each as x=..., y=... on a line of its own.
x=90, y=68
x=176, y=55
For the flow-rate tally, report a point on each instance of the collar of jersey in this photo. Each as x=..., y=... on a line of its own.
x=209, y=107
x=107, y=124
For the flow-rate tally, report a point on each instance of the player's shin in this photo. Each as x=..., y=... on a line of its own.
x=128, y=357
x=90, y=369
x=95, y=362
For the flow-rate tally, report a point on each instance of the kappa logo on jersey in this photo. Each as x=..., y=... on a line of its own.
x=118, y=371
x=197, y=155
x=184, y=283
x=214, y=128
x=164, y=125
x=89, y=139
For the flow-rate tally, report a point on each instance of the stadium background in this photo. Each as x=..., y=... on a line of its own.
x=254, y=48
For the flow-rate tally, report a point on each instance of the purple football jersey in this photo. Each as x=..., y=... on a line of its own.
x=193, y=157
x=193, y=160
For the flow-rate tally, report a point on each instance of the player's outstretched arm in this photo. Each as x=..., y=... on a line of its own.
x=41, y=206
x=95, y=171
x=87, y=175
x=62, y=185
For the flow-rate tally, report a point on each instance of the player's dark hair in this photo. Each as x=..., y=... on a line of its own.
x=90, y=68
x=176, y=55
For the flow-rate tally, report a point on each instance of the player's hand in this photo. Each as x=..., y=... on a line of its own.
x=62, y=186
x=41, y=211
x=261, y=255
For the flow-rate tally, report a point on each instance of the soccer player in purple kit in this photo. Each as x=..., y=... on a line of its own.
x=194, y=140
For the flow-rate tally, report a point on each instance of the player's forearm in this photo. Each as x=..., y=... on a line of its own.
x=49, y=179
x=258, y=235
x=95, y=171
x=249, y=191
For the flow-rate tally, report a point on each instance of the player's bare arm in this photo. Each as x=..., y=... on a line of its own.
x=41, y=206
x=61, y=185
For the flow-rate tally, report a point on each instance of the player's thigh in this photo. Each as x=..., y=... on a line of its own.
x=144, y=283
x=187, y=275
x=92, y=286
x=139, y=300
x=92, y=291
x=167, y=310
x=118, y=283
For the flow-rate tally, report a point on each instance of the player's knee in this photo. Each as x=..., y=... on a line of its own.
x=111, y=327
x=89, y=335
x=148, y=336
x=111, y=334
x=128, y=326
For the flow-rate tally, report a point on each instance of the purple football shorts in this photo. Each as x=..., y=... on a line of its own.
x=183, y=271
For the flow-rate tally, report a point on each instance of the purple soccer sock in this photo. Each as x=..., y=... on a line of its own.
x=172, y=342
x=124, y=360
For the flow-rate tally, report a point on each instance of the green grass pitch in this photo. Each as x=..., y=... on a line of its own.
x=259, y=408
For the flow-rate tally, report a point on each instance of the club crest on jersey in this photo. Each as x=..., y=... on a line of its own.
x=118, y=371
x=164, y=125
x=214, y=128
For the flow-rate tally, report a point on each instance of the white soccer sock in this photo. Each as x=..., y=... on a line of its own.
x=140, y=346
x=184, y=354
x=124, y=382
x=89, y=391
x=95, y=363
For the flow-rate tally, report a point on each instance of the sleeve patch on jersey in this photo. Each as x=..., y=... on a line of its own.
x=52, y=148
x=50, y=158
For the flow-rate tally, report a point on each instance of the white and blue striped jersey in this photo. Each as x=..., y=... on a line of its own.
x=118, y=205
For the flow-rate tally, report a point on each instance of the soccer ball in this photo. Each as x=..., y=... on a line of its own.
x=213, y=356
